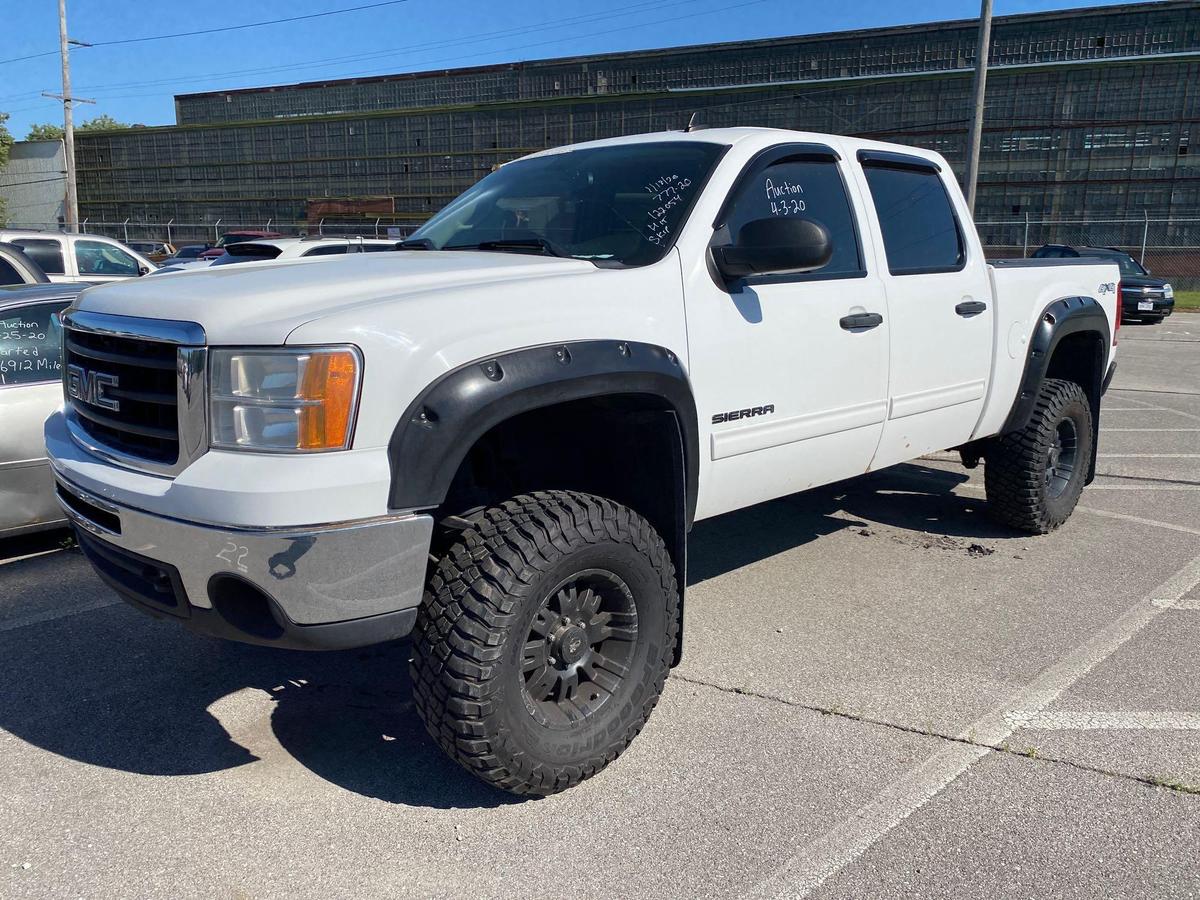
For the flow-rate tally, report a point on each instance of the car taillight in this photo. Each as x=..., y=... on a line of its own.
x=1118, y=325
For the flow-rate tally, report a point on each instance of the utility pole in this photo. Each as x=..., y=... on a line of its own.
x=975, y=138
x=64, y=42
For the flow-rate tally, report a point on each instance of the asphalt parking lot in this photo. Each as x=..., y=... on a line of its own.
x=883, y=694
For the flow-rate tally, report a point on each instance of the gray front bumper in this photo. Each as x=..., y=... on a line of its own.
x=311, y=578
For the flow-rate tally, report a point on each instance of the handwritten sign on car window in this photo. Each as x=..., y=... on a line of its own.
x=786, y=198
x=669, y=192
x=29, y=349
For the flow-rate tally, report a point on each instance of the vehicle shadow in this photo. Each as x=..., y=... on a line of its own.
x=917, y=499
x=112, y=688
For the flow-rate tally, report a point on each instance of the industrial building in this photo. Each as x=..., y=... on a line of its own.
x=34, y=183
x=1089, y=112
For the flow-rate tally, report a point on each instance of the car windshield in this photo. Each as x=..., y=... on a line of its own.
x=619, y=205
x=1127, y=264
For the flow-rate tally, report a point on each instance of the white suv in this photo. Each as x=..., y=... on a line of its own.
x=283, y=249
x=69, y=257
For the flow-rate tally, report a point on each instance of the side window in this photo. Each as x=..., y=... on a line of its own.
x=810, y=188
x=9, y=273
x=46, y=253
x=376, y=248
x=30, y=343
x=327, y=250
x=920, y=231
x=97, y=258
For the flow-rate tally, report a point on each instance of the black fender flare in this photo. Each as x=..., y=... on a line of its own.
x=1063, y=317
x=446, y=419
x=1060, y=319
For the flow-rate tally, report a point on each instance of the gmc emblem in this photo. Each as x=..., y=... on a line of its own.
x=91, y=387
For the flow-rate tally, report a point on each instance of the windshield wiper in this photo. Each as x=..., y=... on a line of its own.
x=541, y=245
x=416, y=244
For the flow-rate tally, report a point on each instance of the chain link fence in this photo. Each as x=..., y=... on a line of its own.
x=180, y=233
x=1168, y=247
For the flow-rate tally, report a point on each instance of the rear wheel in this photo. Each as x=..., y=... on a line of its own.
x=1034, y=476
x=544, y=639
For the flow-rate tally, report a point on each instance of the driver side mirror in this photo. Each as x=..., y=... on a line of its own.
x=142, y=270
x=773, y=246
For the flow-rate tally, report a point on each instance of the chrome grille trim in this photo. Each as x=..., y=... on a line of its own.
x=191, y=367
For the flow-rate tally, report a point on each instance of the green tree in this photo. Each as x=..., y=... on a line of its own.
x=6, y=142
x=45, y=132
x=102, y=122
x=50, y=132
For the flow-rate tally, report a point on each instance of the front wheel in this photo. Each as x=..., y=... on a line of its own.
x=544, y=639
x=1033, y=477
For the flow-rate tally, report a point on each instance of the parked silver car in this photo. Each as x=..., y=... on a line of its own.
x=30, y=389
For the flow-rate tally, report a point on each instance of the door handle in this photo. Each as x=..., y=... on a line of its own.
x=861, y=321
x=970, y=308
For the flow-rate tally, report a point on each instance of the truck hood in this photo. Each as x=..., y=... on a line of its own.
x=261, y=303
x=1141, y=281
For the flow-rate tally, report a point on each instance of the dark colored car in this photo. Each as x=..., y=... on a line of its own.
x=1144, y=298
x=236, y=237
x=187, y=253
x=17, y=268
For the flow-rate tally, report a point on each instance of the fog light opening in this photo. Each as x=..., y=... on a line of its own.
x=244, y=606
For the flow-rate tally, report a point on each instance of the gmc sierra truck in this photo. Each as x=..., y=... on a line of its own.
x=498, y=437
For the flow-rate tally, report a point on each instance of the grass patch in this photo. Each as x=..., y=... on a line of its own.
x=1187, y=300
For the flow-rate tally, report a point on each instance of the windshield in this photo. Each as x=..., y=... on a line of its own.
x=1127, y=264
x=620, y=205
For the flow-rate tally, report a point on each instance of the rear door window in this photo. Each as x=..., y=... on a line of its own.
x=46, y=252
x=327, y=250
x=920, y=230
x=30, y=343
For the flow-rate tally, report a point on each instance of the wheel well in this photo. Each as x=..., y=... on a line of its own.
x=1079, y=357
x=626, y=447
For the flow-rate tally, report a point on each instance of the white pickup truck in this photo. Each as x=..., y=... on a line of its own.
x=498, y=437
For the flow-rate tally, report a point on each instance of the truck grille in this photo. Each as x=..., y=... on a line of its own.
x=123, y=391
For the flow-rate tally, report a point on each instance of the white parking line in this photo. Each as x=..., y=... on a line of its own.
x=52, y=614
x=1107, y=430
x=1137, y=520
x=1108, y=409
x=812, y=864
x=1142, y=404
x=1140, y=487
x=1148, y=455
x=16, y=559
x=1122, y=721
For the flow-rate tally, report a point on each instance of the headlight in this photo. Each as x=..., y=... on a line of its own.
x=1168, y=291
x=298, y=400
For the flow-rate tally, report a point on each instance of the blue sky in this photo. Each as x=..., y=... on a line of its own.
x=135, y=82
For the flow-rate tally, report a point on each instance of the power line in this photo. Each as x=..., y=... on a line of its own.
x=476, y=38
x=30, y=56
x=8, y=184
x=320, y=15
x=164, y=37
x=430, y=62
